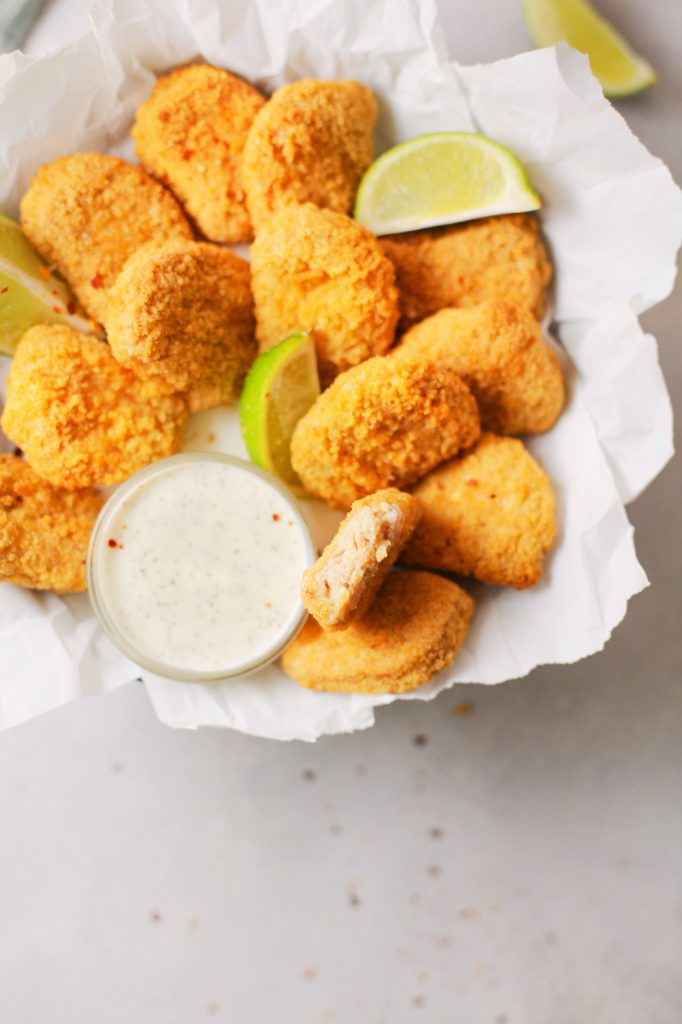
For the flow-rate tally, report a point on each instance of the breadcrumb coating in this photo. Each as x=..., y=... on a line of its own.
x=413, y=629
x=311, y=142
x=489, y=514
x=81, y=418
x=499, y=351
x=318, y=271
x=44, y=530
x=181, y=314
x=493, y=258
x=384, y=423
x=191, y=133
x=89, y=212
x=344, y=581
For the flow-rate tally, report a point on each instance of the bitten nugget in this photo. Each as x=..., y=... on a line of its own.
x=181, y=314
x=499, y=351
x=44, y=530
x=414, y=628
x=345, y=579
x=488, y=514
x=384, y=423
x=81, y=418
x=88, y=213
x=311, y=142
x=314, y=270
x=191, y=133
x=496, y=257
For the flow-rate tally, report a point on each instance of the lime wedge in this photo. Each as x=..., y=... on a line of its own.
x=619, y=69
x=279, y=389
x=442, y=178
x=30, y=293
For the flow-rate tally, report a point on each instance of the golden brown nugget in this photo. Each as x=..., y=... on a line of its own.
x=499, y=351
x=44, y=530
x=488, y=514
x=344, y=581
x=413, y=629
x=494, y=258
x=311, y=142
x=384, y=423
x=81, y=418
x=318, y=271
x=89, y=212
x=181, y=314
x=190, y=133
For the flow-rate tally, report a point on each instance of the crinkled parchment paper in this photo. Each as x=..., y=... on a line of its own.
x=613, y=219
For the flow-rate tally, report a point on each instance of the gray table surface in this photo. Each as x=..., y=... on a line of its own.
x=519, y=863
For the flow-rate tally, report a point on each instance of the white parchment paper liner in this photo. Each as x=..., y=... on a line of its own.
x=612, y=217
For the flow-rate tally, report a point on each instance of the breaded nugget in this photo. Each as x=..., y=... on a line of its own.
x=384, y=423
x=415, y=627
x=311, y=142
x=499, y=351
x=81, y=418
x=190, y=133
x=496, y=257
x=44, y=530
x=88, y=213
x=344, y=581
x=488, y=514
x=181, y=313
x=314, y=270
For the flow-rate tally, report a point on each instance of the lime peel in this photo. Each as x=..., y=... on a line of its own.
x=29, y=292
x=620, y=71
x=442, y=178
x=279, y=389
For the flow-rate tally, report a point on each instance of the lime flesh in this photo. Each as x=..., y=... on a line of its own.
x=443, y=178
x=29, y=292
x=279, y=389
x=621, y=72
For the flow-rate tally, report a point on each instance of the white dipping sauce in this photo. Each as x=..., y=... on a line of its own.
x=198, y=566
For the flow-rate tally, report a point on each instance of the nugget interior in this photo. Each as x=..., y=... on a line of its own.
x=341, y=585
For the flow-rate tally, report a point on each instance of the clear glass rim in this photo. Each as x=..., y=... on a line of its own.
x=98, y=603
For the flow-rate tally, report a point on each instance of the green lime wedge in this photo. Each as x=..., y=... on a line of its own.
x=443, y=178
x=279, y=389
x=619, y=69
x=30, y=293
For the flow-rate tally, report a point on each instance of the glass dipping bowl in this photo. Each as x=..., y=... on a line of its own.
x=138, y=488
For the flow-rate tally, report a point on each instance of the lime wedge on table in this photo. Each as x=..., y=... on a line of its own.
x=279, y=389
x=619, y=69
x=29, y=292
x=442, y=178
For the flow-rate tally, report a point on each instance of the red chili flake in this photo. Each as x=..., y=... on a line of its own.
x=5, y=289
x=71, y=308
x=97, y=282
x=44, y=273
x=275, y=517
x=112, y=543
x=164, y=115
x=472, y=482
x=187, y=154
x=57, y=309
